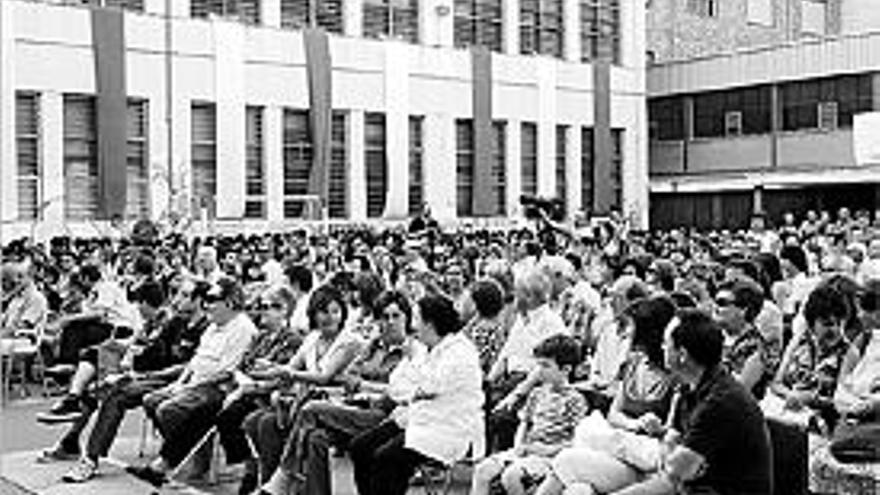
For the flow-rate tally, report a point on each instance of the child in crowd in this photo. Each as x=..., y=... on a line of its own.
x=547, y=422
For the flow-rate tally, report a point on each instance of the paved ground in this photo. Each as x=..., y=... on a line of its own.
x=22, y=438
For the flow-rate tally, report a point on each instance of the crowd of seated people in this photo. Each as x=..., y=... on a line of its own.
x=557, y=359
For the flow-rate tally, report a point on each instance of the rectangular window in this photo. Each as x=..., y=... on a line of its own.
x=300, y=14
x=703, y=8
x=813, y=17
x=138, y=164
x=416, y=165
x=204, y=156
x=499, y=165
x=479, y=22
x=81, y=200
x=464, y=167
x=27, y=146
x=588, y=168
x=529, y=157
x=592, y=20
x=541, y=27
x=561, y=151
x=666, y=117
x=392, y=19
x=297, y=148
x=255, y=170
x=801, y=100
x=337, y=188
x=247, y=11
x=712, y=110
x=376, y=163
x=133, y=5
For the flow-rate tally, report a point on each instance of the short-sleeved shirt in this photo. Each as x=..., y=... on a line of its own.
x=488, y=334
x=552, y=413
x=645, y=388
x=814, y=368
x=721, y=421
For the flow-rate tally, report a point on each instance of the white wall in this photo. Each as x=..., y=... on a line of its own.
x=427, y=80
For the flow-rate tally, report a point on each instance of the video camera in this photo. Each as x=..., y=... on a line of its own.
x=534, y=205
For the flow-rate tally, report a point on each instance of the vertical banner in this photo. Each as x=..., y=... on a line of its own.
x=603, y=187
x=319, y=69
x=484, y=200
x=108, y=42
x=229, y=89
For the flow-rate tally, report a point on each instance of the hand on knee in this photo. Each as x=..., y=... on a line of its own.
x=511, y=480
x=483, y=475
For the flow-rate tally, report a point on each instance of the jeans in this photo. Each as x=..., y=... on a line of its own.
x=382, y=464
x=79, y=334
x=183, y=417
x=231, y=429
x=262, y=427
x=319, y=425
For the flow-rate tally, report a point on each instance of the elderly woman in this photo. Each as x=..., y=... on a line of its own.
x=325, y=353
x=640, y=407
x=444, y=420
x=383, y=374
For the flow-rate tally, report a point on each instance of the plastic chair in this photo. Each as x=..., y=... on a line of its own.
x=13, y=362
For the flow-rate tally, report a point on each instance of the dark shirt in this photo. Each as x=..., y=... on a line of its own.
x=721, y=421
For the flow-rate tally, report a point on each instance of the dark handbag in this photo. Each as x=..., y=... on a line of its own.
x=856, y=442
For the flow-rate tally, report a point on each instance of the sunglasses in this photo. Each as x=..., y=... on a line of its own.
x=272, y=306
x=724, y=302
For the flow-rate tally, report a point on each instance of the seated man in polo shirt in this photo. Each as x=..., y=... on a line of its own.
x=718, y=443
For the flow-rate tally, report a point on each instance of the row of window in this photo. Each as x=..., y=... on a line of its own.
x=81, y=175
x=827, y=103
x=476, y=22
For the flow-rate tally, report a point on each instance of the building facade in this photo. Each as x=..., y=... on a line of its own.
x=205, y=108
x=761, y=106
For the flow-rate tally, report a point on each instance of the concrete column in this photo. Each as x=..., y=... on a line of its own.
x=274, y=149
x=180, y=8
x=635, y=168
x=513, y=153
x=353, y=18
x=357, y=180
x=160, y=181
x=510, y=25
x=546, y=73
x=397, y=127
x=230, y=98
x=571, y=22
x=8, y=166
x=182, y=165
x=439, y=162
x=688, y=109
x=436, y=22
x=52, y=156
x=270, y=13
x=758, y=199
x=573, y=179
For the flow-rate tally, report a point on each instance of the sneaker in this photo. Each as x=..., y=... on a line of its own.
x=57, y=454
x=84, y=470
x=68, y=409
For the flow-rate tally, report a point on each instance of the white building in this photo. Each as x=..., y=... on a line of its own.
x=214, y=109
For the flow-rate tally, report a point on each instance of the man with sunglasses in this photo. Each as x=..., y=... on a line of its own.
x=184, y=410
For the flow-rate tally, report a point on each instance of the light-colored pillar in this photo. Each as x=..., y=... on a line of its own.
x=9, y=193
x=270, y=13
x=52, y=156
x=510, y=24
x=357, y=180
x=573, y=179
x=181, y=164
x=397, y=127
x=571, y=22
x=157, y=161
x=353, y=18
x=179, y=8
x=274, y=132
x=513, y=153
x=436, y=22
x=439, y=160
x=635, y=169
x=229, y=94
x=155, y=7
x=546, y=126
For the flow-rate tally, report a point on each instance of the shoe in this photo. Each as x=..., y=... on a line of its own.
x=84, y=470
x=148, y=474
x=57, y=454
x=70, y=408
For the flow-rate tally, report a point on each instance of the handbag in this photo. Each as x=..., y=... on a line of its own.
x=856, y=442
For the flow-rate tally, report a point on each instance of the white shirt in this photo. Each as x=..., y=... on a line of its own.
x=611, y=349
x=450, y=424
x=528, y=331
x=274, y=272
x=109, y=298
x=221, y=348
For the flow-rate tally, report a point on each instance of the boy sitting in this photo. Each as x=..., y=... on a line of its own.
x=547, y=422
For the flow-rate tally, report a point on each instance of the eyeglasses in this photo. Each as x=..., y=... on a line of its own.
x=724, y=302
x=272, y=306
